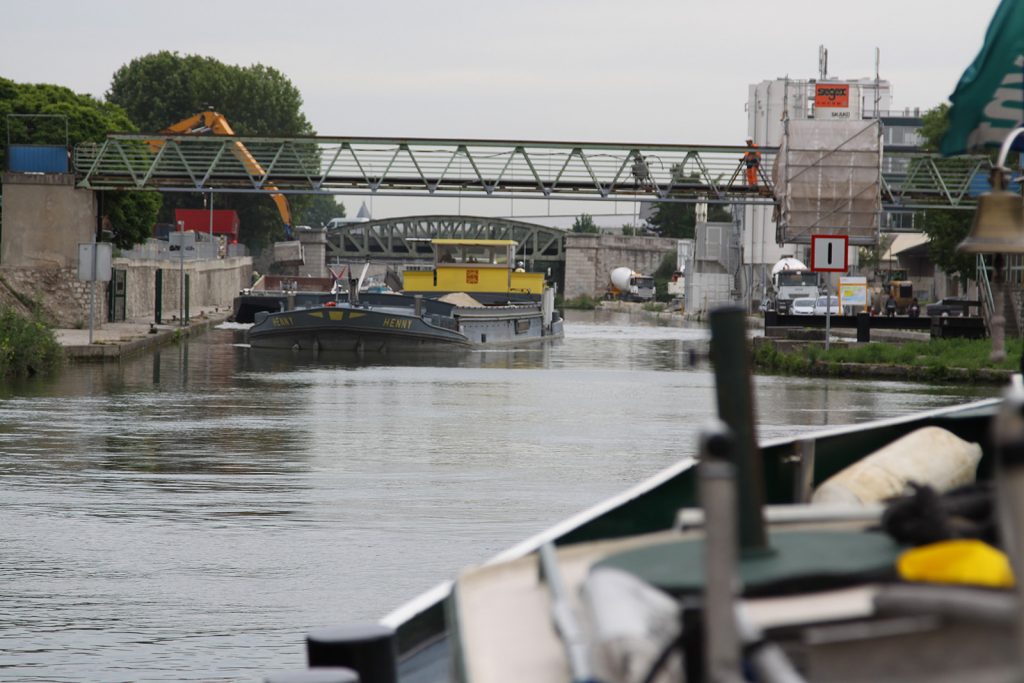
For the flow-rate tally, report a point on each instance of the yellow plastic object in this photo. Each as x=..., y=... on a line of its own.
x=965, y=561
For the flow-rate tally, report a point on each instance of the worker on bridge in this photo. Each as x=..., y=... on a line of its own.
x=752, y=160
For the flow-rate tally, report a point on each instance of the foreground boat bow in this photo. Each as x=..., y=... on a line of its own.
x=820, y=599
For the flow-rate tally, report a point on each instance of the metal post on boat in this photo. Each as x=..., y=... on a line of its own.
x=353, y=289
x=574, y=640
x=717, y=476
x=730, y=354
x=417, y=303
x=548, y=308
x=803, y=484
x=1008, y=435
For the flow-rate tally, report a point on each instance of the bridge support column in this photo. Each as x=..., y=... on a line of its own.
x=314, y=248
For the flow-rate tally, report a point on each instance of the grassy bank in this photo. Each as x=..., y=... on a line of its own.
x=27, y=345
x=938, y=359
x=579, y=303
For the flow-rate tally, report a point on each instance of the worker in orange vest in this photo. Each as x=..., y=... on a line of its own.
x=752, y=160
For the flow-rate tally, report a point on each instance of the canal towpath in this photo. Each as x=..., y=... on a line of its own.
x=114, y=340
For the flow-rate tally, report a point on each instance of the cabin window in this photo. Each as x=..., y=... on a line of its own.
x=495, y=255
x=484, y=254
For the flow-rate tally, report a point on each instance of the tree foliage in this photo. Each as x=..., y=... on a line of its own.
x=316, y=212
x=158, y=90
x=934, y=125
x=132, y=214
x=678, y=220
x=870, y=258
x=27, y=345
x=585, y=223
x=945, y=228
x=162, y=88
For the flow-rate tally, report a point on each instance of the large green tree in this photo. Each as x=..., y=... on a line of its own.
x=160, y=89
x=131, y=214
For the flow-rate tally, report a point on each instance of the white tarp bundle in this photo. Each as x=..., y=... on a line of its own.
x=827, y=179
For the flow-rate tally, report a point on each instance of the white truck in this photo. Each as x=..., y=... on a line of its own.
x=631, y=286
x=791, y=279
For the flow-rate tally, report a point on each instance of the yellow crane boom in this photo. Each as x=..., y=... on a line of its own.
x=208, y=122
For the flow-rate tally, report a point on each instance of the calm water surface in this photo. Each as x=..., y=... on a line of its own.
x=189, y=515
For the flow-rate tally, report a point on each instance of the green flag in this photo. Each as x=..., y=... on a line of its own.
x=989, y=99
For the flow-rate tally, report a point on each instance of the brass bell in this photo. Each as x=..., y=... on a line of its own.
x=998, y=226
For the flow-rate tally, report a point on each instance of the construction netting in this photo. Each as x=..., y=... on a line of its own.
x=827, y=180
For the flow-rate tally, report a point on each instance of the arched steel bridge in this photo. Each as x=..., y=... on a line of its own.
x=484, y=168
x=409, y=237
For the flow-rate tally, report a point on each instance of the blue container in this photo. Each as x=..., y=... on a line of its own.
x=37, y=159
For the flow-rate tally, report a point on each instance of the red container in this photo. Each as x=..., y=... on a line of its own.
x=225, y=222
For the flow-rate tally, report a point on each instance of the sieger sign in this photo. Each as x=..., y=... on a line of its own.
x=835, y=97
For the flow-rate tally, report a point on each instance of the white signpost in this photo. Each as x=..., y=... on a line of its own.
x=829, y=255
x=182, y=242
x=94, y=264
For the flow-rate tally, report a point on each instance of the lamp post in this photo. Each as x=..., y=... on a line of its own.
x=998, y=229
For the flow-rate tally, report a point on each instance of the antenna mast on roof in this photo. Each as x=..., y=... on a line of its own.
x=822, y=62
x=878, y=82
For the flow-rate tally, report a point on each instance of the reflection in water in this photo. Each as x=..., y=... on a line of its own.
x=190, y=514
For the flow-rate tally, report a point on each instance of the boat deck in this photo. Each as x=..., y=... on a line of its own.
x=503, y=611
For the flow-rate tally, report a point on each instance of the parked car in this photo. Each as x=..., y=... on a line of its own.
x=949, y=306
x=832, y=302
x=802, y=307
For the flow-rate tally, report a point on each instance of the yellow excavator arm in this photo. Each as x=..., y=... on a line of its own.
x=211, y=122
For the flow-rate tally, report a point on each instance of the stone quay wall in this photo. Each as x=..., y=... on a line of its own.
x=57, y=293
x=590, y=259
x=64, y=299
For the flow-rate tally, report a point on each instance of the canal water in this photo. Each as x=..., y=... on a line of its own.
x=191, y=514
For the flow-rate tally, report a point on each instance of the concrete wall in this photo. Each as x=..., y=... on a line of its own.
x=44, y=219
x=65, y=300
x=705, y=291
x=212, y=284
x=590, y=259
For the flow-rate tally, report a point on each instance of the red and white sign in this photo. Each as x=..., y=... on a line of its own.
x=832, y=95
x=829, y=253
x=832, y=100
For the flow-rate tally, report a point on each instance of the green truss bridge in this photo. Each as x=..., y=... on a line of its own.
x=486, y=168
x=409, y=238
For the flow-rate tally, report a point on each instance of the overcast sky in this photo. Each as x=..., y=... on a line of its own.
x=651, y=71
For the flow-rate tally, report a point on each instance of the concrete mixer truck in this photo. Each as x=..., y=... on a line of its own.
x=791, y=279
x=628, y=285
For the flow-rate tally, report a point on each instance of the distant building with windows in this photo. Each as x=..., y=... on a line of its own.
x=770, y=104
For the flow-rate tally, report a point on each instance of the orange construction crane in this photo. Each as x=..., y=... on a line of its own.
x=207, y=122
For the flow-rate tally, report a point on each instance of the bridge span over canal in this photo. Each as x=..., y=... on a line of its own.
x=512, y=169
